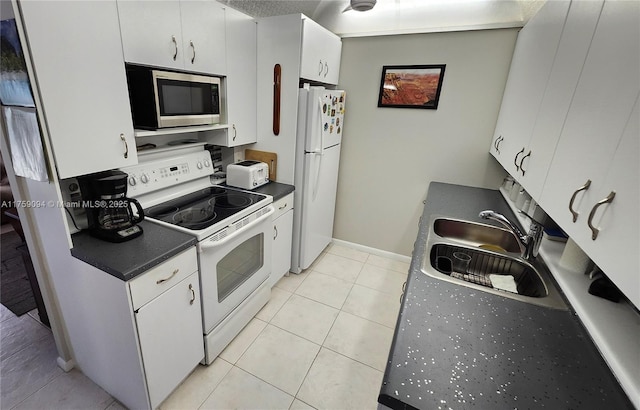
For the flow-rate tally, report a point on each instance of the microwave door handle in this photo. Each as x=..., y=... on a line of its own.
x=203, y=246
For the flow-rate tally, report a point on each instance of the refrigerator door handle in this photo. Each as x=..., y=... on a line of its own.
x=321, y=126
x=316, y=183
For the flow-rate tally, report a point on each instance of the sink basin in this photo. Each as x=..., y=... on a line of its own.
x=528, y=281
x=476, y=234
x=493, y=251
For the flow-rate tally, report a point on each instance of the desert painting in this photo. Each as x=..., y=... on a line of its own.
x=411, y=87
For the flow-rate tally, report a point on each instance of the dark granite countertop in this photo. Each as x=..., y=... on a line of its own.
x=456, y=347
x=128, y=259
x=276, y=189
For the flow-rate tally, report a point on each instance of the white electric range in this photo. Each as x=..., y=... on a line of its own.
x=232, y=227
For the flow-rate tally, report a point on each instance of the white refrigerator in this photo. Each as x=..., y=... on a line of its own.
x=318, y=141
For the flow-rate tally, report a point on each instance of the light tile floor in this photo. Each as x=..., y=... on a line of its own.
x=321, y=342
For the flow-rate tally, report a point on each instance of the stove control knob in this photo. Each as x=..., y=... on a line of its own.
x=207, y=163
x=144, y=178
x=133, y=180
x=199, y=165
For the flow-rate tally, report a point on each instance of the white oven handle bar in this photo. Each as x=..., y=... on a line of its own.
x=203, y=246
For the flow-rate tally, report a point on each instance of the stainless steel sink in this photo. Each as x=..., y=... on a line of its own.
x=476, y=234
x=493, y=251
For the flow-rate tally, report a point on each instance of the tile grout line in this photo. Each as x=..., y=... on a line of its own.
x=216, y=385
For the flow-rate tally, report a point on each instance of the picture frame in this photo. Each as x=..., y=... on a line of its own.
x=411, y=86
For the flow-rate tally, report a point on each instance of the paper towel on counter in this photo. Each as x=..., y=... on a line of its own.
x=27, y=154
x=573, y=258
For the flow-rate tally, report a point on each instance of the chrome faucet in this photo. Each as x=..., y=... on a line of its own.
x=530, y=243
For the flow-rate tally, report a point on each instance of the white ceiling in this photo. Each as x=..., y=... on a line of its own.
x=399, y=16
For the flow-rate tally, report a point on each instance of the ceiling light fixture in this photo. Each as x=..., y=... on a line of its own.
x=361, y=5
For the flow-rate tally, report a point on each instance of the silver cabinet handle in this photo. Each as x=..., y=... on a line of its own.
x=126, y=146
x=326, y=69
x=496, y=143
x=169, y=278
x=175, y=44
x=320, y=67
x=235, y=132
x=193, y=294
x=573, y=198
x=515, y=160
x=283, y=206
x=607, y=200
x=275, y=232
x=194, y=51
x=522, y=161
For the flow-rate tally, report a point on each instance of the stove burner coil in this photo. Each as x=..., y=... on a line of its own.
x=194, y=216
x=163, y=211
x=230, y=201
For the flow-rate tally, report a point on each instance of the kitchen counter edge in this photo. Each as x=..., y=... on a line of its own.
x=126, y=260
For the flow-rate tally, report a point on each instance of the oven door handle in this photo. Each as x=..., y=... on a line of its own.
x=203, y=246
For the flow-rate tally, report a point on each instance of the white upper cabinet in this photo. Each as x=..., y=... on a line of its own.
x=152, y=33
x=182, y=35
x=82, y=84
x=530, y=68
x=203, y=36
x=596, y=127
x=321, y=52
x=572, y=52
x=618, y=222
x=242, y=55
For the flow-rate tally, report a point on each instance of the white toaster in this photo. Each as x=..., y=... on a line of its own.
x=247, y=174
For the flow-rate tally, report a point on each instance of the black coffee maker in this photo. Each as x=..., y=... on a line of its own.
x=109, y=213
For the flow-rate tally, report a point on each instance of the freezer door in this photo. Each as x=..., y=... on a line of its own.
x=318, y=203
x=324, y=118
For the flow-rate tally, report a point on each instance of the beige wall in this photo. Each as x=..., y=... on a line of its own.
x=389, y=155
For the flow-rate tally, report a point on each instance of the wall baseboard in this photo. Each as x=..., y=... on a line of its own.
x=373, y=251
x=65, y=365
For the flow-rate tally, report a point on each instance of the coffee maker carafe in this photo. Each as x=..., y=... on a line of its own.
x=109, y=213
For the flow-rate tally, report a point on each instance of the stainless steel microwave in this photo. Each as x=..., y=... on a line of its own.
x=161, y=99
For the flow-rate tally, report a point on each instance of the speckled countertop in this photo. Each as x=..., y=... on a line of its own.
x=127, y=260
x=276, y=189
x=458, y=348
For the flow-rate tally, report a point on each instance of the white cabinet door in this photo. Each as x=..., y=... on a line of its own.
x=530, y=67
x=171, y=341
x=152, y=33
x=320, y=53
x=615, y=250
x=242, y=54
x=82, y=84
x=203, y=36
x=599, y=112
x=333, y=53
x=572, y=52
x=282, y=238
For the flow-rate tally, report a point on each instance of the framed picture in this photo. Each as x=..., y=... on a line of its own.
x=14, y=82
x=411, y=86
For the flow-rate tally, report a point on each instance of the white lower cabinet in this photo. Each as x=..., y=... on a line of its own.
x=170, y=332
x=282, y=238
x=168, y=319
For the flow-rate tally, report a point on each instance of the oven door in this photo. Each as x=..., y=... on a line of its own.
x=232, y=267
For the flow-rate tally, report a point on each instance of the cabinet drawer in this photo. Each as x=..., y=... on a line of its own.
x=146, y=287
x=282, y=205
